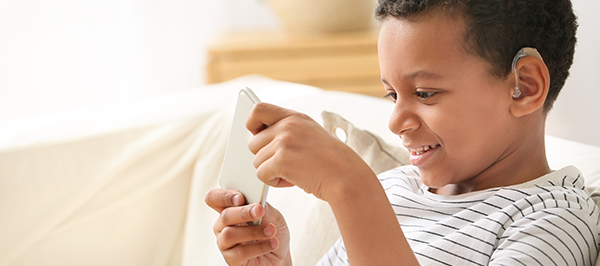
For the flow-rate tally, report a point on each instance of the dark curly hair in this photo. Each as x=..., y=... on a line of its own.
x=497, y=29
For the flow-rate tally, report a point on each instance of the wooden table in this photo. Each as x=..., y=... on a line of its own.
x=342, y=61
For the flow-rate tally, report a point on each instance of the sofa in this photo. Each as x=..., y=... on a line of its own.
x=124, y=185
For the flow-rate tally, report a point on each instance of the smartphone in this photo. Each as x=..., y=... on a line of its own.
x=238, y=172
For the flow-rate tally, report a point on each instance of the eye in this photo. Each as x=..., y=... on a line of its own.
x=392, y=95
x=423, y=95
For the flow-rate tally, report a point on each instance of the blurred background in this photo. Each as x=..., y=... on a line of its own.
x=57, y=56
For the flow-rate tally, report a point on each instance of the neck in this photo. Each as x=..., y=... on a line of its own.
x=524, y=160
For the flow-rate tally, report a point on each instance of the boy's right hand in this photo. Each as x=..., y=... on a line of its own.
x=265, y=244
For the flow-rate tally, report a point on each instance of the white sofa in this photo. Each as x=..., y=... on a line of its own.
x=124, y=185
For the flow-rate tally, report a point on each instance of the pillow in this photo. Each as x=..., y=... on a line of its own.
x=321, y=230
x=379, y=155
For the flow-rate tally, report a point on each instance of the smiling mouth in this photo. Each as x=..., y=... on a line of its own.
x=422, y=149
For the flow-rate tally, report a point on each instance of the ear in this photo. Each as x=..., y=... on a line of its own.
x=534, y=83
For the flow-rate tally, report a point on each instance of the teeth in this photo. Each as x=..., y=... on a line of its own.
x=421, y=150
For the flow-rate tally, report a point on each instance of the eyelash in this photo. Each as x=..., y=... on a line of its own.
x=392, y=95
x=420, y=94
x=423, y=95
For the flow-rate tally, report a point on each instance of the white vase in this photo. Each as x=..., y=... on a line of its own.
x=324, y=16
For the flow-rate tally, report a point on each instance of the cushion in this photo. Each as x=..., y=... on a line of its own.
x=378, y=154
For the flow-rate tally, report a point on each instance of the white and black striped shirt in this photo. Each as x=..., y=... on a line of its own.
x=548, y=221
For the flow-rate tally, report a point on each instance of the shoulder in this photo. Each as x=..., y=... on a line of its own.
x=549, y=220
x=564, y=188
x=561, y=190
x=567, y=177
x=558, y=226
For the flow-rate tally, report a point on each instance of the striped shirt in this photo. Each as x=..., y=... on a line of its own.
x=547, y=221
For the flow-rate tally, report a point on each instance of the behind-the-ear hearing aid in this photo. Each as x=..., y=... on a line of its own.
x=524, y=52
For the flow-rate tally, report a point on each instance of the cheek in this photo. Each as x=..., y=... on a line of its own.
x=470, y=128
x=476, y=138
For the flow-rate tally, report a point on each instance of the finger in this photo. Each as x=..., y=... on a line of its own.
x=266, y=152
x=264, y=146
x=239, y=254
x=264, y=115
x=270, y=172
x=238, y=215
x=234, y=235
x=273, y=216
x=261, y=139
x=220, y=199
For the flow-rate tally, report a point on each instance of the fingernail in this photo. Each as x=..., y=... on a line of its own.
x=237, y=200
x=269, y=230
x=274, y=243
x=253, y=212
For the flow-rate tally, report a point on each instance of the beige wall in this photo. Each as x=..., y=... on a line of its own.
x=576, y=114
x=66, y=54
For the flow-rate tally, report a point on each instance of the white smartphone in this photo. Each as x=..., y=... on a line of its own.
x=238, y=172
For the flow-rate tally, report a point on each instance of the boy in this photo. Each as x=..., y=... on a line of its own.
x=470, y=108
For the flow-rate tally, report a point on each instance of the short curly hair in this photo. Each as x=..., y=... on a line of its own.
x=497, y=29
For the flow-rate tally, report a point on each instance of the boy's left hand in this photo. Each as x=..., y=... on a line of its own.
x=293, y=149
x=265, y=244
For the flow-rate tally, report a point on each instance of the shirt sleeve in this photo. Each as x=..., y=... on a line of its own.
x=555, y=236
x=335, y=256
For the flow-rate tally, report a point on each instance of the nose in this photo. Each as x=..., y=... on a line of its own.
x=403, y=119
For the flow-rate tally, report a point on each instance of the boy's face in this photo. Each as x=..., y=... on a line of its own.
x=450, y=113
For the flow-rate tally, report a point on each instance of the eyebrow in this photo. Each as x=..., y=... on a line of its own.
x=419, y=74
x=425, y=75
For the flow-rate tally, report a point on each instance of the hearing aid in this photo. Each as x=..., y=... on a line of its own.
x=524, y=52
